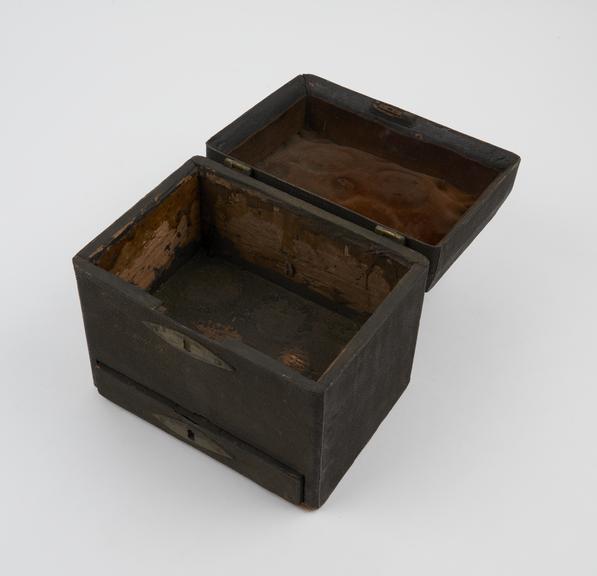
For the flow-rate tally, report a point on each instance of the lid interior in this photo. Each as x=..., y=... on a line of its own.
x=392, y=178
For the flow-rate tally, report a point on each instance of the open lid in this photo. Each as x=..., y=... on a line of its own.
x=400, y=175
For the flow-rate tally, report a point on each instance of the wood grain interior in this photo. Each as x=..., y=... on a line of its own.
x=295, y=247
x=394, y=179
x=234, y=263
x=264, y=142
x=145, y=250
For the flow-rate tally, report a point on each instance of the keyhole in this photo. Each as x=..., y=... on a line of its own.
x=190, y=434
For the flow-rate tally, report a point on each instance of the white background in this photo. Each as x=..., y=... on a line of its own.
x=488, y=463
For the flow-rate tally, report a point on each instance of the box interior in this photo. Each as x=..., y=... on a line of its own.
x=397, y=180
x=235, y=264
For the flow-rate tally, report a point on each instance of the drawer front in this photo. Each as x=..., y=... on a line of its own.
x=199, y=433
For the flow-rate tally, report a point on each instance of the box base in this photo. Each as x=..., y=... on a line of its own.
x=225, y=300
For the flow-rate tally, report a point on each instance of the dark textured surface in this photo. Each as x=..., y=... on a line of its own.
x=416, y=204
x=258, y=402
x=224, y=301
x=277, y=413
x=361, y=394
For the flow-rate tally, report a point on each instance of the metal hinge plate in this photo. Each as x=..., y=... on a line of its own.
x=390, y=233
x=238, y=166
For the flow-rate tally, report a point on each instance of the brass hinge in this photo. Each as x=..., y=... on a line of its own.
x=238, y=166
x=389, y=233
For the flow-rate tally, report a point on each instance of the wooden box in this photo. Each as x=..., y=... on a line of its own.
x=274, y=327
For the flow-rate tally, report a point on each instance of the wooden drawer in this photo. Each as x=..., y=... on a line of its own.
x=199, y=433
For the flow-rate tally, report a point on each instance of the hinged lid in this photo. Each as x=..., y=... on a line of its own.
x=372, y=163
